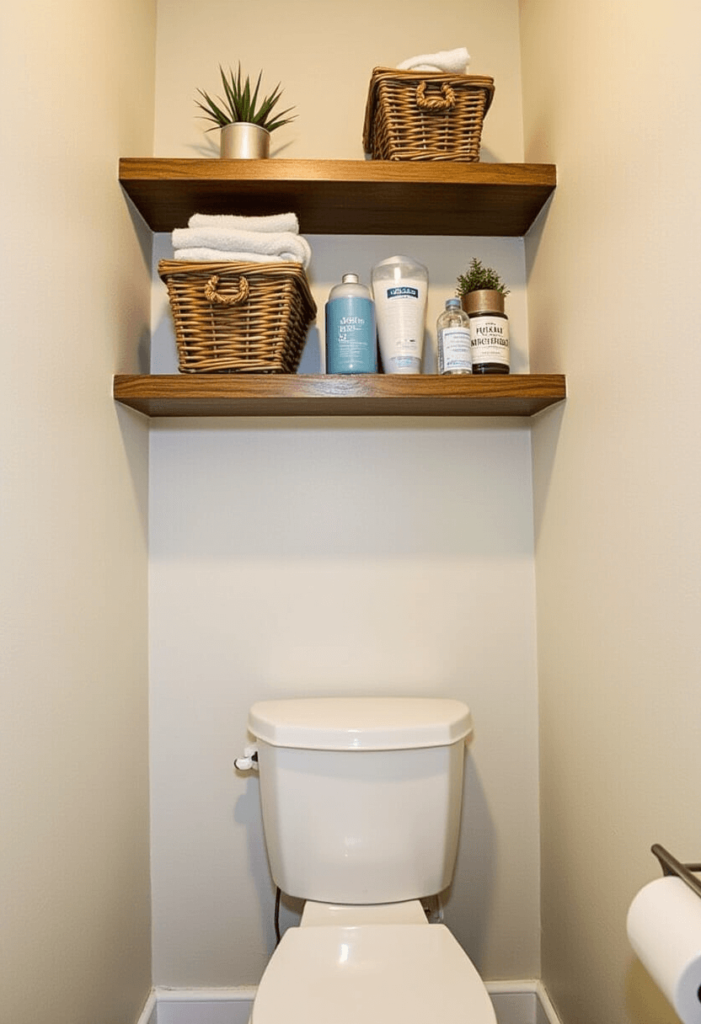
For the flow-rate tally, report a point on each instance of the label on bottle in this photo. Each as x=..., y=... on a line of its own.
x=400, y=322
x=489, y=336
x=351, y=345
x=403, y=292
x=454, y=350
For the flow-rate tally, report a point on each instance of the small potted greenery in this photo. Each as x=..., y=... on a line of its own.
x=480, y=279
x=245, y=121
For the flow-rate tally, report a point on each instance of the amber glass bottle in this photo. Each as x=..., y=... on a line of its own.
x=489, y=331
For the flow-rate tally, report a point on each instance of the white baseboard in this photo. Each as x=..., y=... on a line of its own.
x=204, y=1005
x=515, y=1002
x=521, y=1002
x=148, y=1014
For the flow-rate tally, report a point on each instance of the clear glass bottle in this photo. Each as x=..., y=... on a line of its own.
x=453, y=336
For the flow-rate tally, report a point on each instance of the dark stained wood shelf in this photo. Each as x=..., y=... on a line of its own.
x=345, y=196
x=329, y=395
x=342, y=197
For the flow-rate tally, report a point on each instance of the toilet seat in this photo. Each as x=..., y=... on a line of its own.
x=383, y=973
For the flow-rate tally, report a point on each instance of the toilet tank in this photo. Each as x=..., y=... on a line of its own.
x=361, y=796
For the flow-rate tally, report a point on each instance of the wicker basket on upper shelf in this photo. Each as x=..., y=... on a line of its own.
x=238, y=317
x=425, y=115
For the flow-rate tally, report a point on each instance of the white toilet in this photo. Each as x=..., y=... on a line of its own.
x=361, y=808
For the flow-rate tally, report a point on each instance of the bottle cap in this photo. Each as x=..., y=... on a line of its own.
x=397, y=267
x=452, y=303
x=351, y=279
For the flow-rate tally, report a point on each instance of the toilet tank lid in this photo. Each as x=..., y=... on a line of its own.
x=360, y=723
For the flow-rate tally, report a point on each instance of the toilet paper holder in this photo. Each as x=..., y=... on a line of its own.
x=671, y=866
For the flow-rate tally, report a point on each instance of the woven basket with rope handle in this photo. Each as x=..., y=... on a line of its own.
x=420, y=115
x=238, y=317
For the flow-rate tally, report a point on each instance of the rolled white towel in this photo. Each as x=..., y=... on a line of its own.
x=454, y=62
x=280, y=244
x=204, y=255
x=236, y=222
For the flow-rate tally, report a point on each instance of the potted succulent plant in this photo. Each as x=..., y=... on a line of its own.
x=481, y=279
x=481, y=291
x=245, y=120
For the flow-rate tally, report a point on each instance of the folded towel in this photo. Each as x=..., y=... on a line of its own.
x=276, y=222
x=280, y=244
x=454, y=62
x=203, y=255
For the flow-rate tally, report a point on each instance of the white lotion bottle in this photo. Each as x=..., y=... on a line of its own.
x=400, y=290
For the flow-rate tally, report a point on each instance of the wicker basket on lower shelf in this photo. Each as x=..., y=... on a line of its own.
x=425, y=115
x=238, y=317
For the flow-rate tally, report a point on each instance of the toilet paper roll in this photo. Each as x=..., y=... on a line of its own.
x=664, y=929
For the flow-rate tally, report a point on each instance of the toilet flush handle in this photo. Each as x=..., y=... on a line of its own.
x=249, y=761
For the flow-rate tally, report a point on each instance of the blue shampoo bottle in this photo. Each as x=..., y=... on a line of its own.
x=351, y=338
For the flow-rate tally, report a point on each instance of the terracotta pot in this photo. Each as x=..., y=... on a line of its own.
x=244, y=141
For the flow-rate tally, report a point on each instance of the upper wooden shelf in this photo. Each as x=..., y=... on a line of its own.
x=357, y=197
x=243, y=394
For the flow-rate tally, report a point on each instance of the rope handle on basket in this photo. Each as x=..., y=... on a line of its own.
x=212, y=295
x=443, y=102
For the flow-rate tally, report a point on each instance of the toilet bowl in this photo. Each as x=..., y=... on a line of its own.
x=361, y=802
x=388, y=965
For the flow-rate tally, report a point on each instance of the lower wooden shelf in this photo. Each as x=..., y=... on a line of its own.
x=338, y=395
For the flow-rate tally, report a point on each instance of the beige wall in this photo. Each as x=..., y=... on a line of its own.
x=323, y=54
x=612, y=95
x=77, y=84
x=320, y=557
x=337, y=557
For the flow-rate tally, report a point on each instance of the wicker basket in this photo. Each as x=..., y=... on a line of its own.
x=425, y=115
x=238, y=317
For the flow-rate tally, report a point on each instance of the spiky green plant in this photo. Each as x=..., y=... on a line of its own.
x=480, y=278
x=241, y=103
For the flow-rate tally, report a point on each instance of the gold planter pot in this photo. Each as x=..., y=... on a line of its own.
x=244, y=141
x=483, y=301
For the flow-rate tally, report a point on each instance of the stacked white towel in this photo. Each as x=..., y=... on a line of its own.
x=276, y=222
x=232, y=238
x=453, y=62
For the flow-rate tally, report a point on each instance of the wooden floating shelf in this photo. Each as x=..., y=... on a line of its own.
x=377, y=197
x=338, y=395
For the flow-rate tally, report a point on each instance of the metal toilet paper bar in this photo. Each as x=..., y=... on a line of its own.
x=671, y=866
